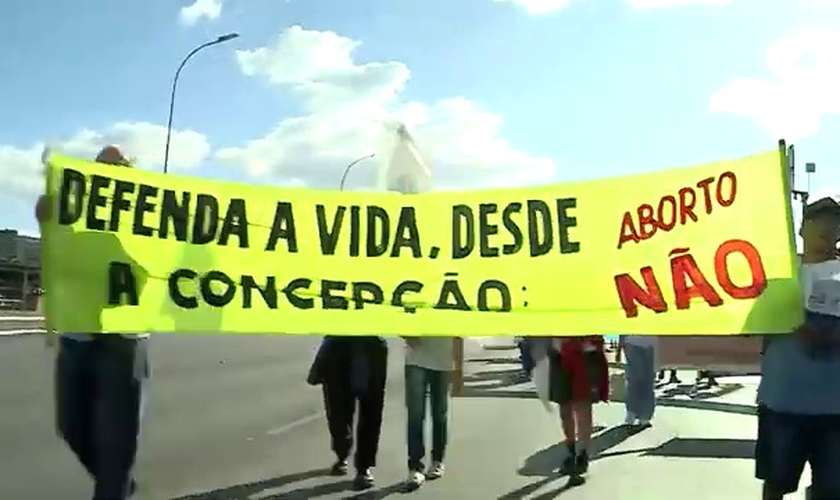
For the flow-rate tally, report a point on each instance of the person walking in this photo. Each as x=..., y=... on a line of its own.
x=798, y=396
x=526, y=360
x=353, y=370
x=672, y=379
x=99, y=390
x=433, y=365
x=578, y=378
x=639, y=374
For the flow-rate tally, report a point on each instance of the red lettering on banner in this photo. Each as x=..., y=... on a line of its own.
x=690, y=282
x=644, y=222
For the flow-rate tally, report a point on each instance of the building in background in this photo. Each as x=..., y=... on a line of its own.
x=20, y=270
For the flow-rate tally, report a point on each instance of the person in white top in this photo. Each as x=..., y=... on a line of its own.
x=640, y=373
x=99, y=382
x=433, y=365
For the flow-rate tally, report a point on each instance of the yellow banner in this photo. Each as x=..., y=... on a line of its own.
x=702, y=250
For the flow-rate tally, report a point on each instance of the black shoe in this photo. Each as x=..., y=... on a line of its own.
x=363, y=480
x=339, y=468
x=568, y=467
x=582, y=463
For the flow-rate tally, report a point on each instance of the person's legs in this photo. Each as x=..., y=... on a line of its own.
x=825, y=459
x=439, y=398
x=340, y=406
x=117, y=416
x=416, y=384
x=560, y=392
x=781, y=451
x=646, y=389
x=74, y=400
x=525, y=357
x=369, y=426
x=633, y=376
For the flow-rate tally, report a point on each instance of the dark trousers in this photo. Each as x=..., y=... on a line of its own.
x=340, y=403
x=787, y=442
x=420, y=382
x=98, y=397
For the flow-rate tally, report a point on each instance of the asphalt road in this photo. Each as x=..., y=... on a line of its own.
x=224, y=411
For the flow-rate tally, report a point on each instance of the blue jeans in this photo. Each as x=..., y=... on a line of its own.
x=640, y=398
x=525, y=356
x=420, y=382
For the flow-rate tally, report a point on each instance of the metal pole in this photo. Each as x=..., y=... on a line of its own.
x=221, y=39
x=349, y=167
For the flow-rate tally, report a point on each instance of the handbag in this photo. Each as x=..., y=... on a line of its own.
x=316, y=370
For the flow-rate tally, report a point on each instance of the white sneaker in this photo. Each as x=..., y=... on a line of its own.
x=435, y=471
x=630, y=419
x=415, y=480
x=645, y=422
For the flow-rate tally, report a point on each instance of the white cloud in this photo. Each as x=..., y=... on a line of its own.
x=803, y=87
x=200, y=9
x=537, y=7
x=667, y=4
x=21, y=172
x=350, y=110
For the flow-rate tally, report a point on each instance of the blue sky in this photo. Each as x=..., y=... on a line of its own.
x=498, y=92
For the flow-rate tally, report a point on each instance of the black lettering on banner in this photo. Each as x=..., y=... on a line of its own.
x=178, y=214
x=120, y=203
x=283, y=227
x=451, y=297
x=211, y=296
x=295, y=300
x=175, y=293
x=330, y=301
x=463, y=231
x=486, y=230
x=407, y=234
x=378, y=231
x=206, y=220
x=403, y=288
x=144, y=204
x=355, y=229
x=235, y=223
x=513, y=228
x=329, y=236
x=71, y=196
x=98, y=183
x=564, y=222
x=268, y=292
x=122, y=283
x=540, y=241
x=504, y=296
x=366, y=292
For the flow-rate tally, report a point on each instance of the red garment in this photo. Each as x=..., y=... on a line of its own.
x=573, y=360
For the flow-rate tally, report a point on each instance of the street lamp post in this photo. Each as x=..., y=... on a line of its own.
x=221, y=39
x=349, y=167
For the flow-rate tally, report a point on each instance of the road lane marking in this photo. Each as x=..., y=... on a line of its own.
x=9, y=333
x=295, y=424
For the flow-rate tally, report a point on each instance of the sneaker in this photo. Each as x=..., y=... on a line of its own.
x=363, y=480
x=645, y=422
x=435, y=471
x=630, y=419
x=414, y=481
x=339, y=468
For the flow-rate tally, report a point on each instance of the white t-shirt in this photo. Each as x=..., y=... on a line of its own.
x=432, y=353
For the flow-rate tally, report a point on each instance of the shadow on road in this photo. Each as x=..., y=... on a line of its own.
x=705, y=448
x=546, y=462
x=263, y=489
